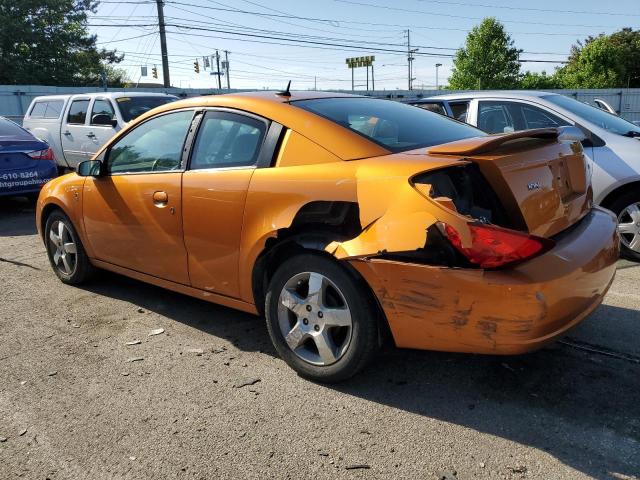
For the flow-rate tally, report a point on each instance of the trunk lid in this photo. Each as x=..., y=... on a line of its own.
x=541, y=182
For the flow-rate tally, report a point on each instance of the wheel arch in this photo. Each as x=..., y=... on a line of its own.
x=618, y=191
x=308, y=235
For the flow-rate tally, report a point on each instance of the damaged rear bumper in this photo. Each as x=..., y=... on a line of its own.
x=507, y=311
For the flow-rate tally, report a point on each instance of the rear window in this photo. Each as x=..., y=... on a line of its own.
x=10, y=129
x=47, y=109
x=132, y=107
x=395, y=126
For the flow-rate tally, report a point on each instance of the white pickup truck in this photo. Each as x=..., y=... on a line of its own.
x=76, y=126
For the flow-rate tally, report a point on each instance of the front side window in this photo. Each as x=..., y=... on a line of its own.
x=227, y=139
x=535, y=117
x=132, y=107
x=78, y=112
x=102, y=107
x=155, y=145
x=395, y=126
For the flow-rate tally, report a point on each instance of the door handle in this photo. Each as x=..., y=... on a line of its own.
x=67, y=133
x=91, y=135
x=160, y=199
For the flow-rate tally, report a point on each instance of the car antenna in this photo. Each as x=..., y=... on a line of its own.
x=286, y=92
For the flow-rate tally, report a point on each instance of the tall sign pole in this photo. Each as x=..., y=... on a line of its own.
x=218, y=71
x=357, y=62
x=163, y=45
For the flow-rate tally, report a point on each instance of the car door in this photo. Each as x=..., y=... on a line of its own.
x=99, y=133
x=227, y=149
x=73, y=132
x=133, y=212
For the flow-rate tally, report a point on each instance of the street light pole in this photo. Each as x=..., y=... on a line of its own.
x=437, y=66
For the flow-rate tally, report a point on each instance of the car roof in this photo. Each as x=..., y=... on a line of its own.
x=282, y=109
x=103, y=95
x=523, y=94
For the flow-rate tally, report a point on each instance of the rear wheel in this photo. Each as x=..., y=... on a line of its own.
x=320, y=319
x=64, y=248
x=627, y=209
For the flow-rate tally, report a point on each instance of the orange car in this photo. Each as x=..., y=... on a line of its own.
x=344, y=220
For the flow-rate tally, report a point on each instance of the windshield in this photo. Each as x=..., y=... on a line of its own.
x=602, y=119
x=393, y=125
x=132, y=107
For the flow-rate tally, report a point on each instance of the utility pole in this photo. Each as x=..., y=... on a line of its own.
x=163, y=45
x=226, y=58
x=373, y=82
x=218, y=71
x=410, y=59
x=315, y=83
x=438, y=65
x=367, y=77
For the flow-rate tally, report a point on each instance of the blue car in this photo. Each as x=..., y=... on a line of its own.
x=26, y=163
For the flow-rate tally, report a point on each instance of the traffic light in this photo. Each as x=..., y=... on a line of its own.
x=154, y=72
x=196, y=66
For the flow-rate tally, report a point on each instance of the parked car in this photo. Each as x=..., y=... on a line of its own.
x=76, y=126
x=612, y=143
x=26, y=163
x=342, y=218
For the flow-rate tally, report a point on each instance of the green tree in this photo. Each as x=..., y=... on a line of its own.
x=488, y=60
x=47, y=42
x=539, y=81
x=604, y=61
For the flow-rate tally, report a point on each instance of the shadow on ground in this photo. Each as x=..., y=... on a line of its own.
x=18, y=216
x=581, y=407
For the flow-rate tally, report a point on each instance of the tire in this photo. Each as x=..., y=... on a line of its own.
x=326, y=337
x=627, y=209
x=65, y=250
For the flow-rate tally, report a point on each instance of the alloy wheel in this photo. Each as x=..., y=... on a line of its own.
x=63, y=249
x=629, y=227
x=314, y=318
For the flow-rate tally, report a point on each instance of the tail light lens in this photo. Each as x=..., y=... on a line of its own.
x=494, y=247
x=42, y=154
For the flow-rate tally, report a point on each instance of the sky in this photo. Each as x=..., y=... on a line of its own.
x=272, y=42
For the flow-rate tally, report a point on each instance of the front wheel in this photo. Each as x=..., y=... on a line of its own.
x=64, y=248
x=627, y=209
x=320, y=318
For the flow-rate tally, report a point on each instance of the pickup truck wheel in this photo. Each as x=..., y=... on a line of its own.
x=65, y=251
x=320, y=319
x=627, y=209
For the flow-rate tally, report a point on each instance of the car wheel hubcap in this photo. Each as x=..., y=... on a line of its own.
x=629, y=227
x=63, y=248
x=314, y=318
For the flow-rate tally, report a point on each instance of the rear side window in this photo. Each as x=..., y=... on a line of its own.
x=47, y=109
x=433, y=107
x=227, y=140
x=495, y=117
x=78, y=112
x=132, y=107
x=38, y=110
x=459, y=110
x=54, y=109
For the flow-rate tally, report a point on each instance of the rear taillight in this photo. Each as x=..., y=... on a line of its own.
x=493, y=247
x=42, y=154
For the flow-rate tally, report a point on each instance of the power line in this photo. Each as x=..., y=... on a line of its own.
x=530, y=9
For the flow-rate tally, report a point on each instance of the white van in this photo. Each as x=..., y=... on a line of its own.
x=76, y=126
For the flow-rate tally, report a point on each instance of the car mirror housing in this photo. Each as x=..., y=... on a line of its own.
x=103, y=119
x=90, y=168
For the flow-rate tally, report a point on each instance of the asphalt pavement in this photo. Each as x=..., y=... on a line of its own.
x=91, y=389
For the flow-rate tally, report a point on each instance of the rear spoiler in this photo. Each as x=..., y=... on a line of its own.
x=480, y=145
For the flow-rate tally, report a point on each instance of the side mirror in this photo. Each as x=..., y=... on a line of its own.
x=103, y=119
x=90, y=168
x=571, y=134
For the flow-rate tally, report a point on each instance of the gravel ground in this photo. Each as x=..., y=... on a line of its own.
x=75, y=404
